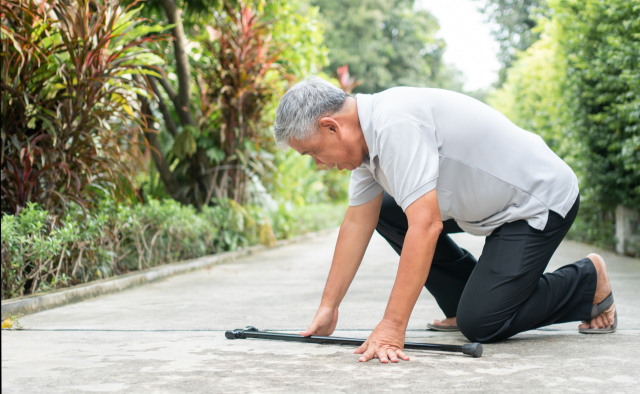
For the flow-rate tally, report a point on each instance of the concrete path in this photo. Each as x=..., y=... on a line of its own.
x=168, y=337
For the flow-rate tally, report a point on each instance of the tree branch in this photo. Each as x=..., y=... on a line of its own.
x=166, y=114
x=182, y=98
x=169, y=181
x=171, y=92
x=182, y=63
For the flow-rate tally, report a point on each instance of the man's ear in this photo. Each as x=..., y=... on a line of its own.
x=328, y=124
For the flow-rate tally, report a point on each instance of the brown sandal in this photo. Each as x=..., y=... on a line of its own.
x=434, y=327
x=596, y=311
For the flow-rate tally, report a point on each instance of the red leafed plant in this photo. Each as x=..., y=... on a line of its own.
x=68, y=126
x=236, y=89
x=347, y=83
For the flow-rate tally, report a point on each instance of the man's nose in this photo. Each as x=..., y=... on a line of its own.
x=318, y=162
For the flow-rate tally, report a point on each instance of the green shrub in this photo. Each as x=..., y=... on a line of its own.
x=290, y=221
x=601, y=40
x=297, y=180
x=579, y=88
x=593, y=225
x=38, y=254
x=42, y=252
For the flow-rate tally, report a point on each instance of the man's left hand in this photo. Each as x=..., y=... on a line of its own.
x=385, y=343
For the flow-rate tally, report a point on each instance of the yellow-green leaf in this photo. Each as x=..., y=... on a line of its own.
x=9, y=33
x=127, y=109
x=7, y=323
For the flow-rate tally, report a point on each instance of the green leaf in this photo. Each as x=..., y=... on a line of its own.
x=184, y=145
x=143, y=58
x=125, y=20
x=8, y=33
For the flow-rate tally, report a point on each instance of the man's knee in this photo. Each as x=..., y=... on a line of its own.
x=474, y=325
x=470, y=326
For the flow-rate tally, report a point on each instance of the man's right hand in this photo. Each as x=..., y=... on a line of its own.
x=324, y=323
x=355, y=232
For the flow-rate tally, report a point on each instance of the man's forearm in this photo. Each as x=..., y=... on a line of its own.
x=355, y=234
x=350, y=248
x=415, y=263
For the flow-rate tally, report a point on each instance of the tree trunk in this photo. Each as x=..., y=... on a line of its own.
x=182, y=63
x=169, y=181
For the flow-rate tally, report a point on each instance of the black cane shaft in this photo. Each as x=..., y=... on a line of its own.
x=344, y=341
x=433, y=346
x=474, y=349
x=300, y=338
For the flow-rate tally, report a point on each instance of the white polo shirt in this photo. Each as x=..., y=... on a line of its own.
x=486, y=170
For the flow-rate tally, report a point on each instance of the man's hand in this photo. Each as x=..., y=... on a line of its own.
x=324, y=323
x=387, y=340
x=355, y=233
x=385, y=343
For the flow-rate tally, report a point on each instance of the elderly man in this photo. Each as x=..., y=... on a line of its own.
x=426, y=163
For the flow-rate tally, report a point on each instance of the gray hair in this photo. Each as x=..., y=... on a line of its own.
x=302, y=106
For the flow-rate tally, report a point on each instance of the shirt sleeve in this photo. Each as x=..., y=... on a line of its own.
x=408, y=156
x=362, y=187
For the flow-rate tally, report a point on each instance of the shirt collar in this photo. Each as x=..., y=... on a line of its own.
x=365, y=112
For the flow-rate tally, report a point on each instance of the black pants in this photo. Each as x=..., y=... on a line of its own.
x=505, y=291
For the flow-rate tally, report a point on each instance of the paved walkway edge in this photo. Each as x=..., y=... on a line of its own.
x=41, y=302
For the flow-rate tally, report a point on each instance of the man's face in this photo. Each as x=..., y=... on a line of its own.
x=329, y=147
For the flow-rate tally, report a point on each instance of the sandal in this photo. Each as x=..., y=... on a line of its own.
x=434, y=327
x=596, y=310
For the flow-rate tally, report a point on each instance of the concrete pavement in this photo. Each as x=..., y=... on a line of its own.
x=168, y=337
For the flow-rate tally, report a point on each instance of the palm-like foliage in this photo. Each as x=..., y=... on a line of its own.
x=220, y=136
x=237, y=89
x=68, y=126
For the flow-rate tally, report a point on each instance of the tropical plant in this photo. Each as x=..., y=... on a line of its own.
x=228, y=71
x=235, y=90
x=68, y=121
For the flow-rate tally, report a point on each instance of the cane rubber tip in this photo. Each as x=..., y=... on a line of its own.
x=234, y=334
x=472, y=349
x=250, y=328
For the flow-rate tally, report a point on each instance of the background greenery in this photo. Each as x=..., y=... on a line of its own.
x=578, y=86
x=516, y=22
x=44, y=252
x=385, y=43
x=139, y=133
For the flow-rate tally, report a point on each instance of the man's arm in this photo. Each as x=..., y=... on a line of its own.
x=425, y=224
x=355, y=234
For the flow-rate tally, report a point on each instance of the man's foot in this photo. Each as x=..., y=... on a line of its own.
x=448, y=324
x=603, y=288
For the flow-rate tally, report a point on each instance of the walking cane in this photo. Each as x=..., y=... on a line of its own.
x=472, y=349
